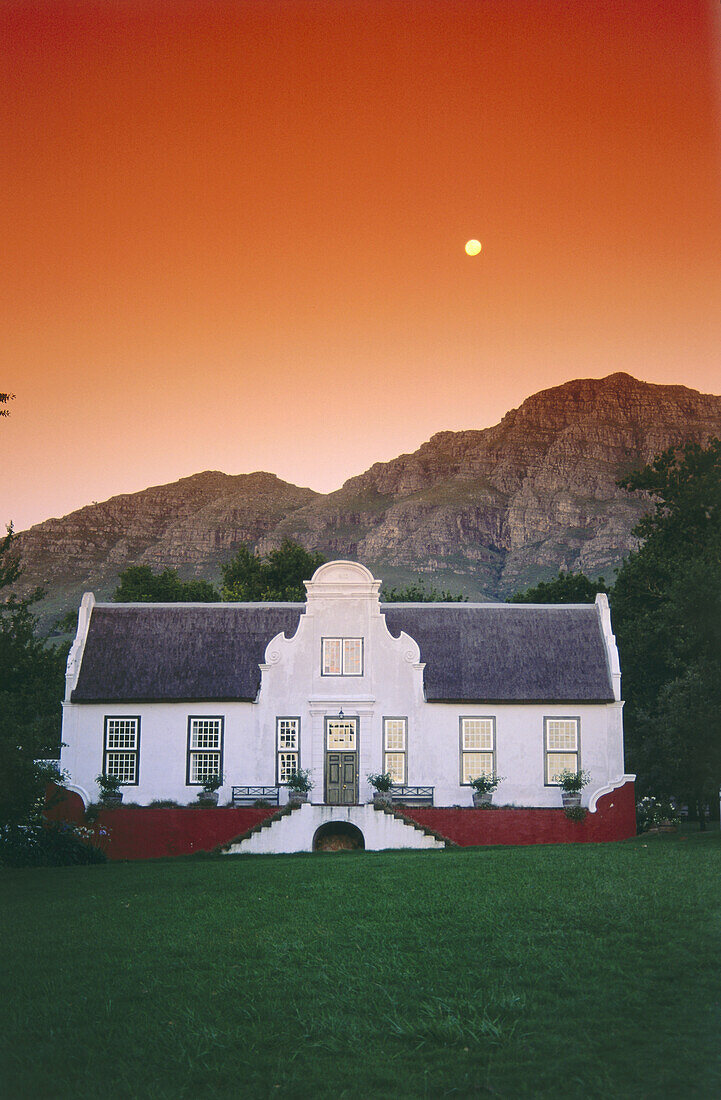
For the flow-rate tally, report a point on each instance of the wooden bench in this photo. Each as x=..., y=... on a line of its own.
x=412, y=796
x=248, y=796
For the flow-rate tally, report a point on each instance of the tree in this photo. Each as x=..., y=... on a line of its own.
x=666, y=606
x=138, y=584
x=417, y=592
x=565, y=588
x=31, y=689
x=4, y=398
x=277, y=576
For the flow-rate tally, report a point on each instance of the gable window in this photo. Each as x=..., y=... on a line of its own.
x=121, y=750
x=287, y=736
x=478, y=748
x=205, y=749
x=342, y=657
x=395, y=740
x=561, y=747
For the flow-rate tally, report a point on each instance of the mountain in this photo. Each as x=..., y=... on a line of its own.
x=485, y=512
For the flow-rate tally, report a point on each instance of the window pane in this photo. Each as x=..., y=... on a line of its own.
x=477, y=733
x=562, y=734
x=205, y=733
x=121, y=733
x=341, y=734
x=475, y=764
x=352, y=656
x=395, y=763
x=557, y=761
x=395, y=734
x=203, y=765
x=287, y=764
x=332, y=656
x=288, y=733
x=121, y=765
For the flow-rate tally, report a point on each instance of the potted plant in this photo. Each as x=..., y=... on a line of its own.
x=483, y=788
x=381, y=783
x=208, y=793
x=110, y=793
x=299, y=784
x=571, y=784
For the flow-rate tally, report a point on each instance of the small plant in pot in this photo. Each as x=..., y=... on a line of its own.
x=299, y=784
x=382, y=782
x=571, y=784
x=110, y=793
x=483, y=787
x=208, y=793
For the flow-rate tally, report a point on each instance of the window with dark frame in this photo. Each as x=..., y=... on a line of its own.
x=342, y=657
x=287, y=734
x=205, y=749
x=561, y=748
x=478, y=748
x=121, y=749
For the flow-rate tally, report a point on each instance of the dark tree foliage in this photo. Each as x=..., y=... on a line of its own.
x=565, y=588
x=138, y=584
x=4, y=398
x=419, y=592
x=667, y=616
x=31, y=690
x=277, y=576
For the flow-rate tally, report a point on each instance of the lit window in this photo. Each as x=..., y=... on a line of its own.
x=394, y=748
x=342, y=657
x=122, y=749
x=478, y=748
x=561, y=747
x=287, y=733
x=341, y=734
x=205, y=749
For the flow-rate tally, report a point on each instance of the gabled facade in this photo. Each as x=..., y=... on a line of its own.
x=343, y=685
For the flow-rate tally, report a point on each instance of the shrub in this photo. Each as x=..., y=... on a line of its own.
x=652, y=812
x=572, y=782
x=299, y=781
x=576, y=813
x=382, y=781
x=486, y=784
x=55, y=845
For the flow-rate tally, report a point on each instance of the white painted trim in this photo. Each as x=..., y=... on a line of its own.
x=612, y=786
x=609, y=638
x=75, y=656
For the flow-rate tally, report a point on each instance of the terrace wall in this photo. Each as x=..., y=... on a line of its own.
x=145, y=832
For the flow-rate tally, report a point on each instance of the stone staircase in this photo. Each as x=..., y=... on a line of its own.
x=294, y=830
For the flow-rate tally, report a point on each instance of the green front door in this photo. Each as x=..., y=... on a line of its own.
x=341, y=762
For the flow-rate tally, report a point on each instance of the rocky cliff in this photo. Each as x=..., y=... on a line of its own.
x=485, y=512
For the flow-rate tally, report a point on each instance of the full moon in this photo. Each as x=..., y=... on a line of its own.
x=473, y=247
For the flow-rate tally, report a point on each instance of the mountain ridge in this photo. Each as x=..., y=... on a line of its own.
x=487, y=510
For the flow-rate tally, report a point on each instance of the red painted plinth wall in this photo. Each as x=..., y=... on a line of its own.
x=614, y=819
x=145, y=832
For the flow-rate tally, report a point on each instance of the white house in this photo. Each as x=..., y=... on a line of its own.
x=162, y=695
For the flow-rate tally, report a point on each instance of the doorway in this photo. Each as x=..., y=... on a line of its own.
x=341, y=761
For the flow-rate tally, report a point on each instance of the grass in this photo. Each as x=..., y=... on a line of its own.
x=587, y=970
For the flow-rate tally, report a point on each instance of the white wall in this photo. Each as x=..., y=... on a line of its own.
x=343, y=601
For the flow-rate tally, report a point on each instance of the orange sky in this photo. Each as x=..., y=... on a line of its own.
x=232, y=233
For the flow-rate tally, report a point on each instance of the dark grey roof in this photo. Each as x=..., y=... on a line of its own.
x=498, y=652
x=141, y=652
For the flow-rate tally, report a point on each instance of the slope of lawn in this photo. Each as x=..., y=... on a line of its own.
x=589, y=970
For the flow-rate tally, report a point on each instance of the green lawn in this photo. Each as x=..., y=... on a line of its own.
x=579, y=971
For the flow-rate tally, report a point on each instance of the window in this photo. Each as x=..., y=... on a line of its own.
x=394, y=748
x=560, y=747
x=287, y=737
x=122, y=750
x=205, y=749
x=478, y=748
x=341, y=734
x=342, y=657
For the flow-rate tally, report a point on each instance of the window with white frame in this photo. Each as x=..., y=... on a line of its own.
x=478, y=748
x=561, y=747
x=395, y=741
x=342, y=657
x=205, y=749
x=121, y=751
x=287, y=735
